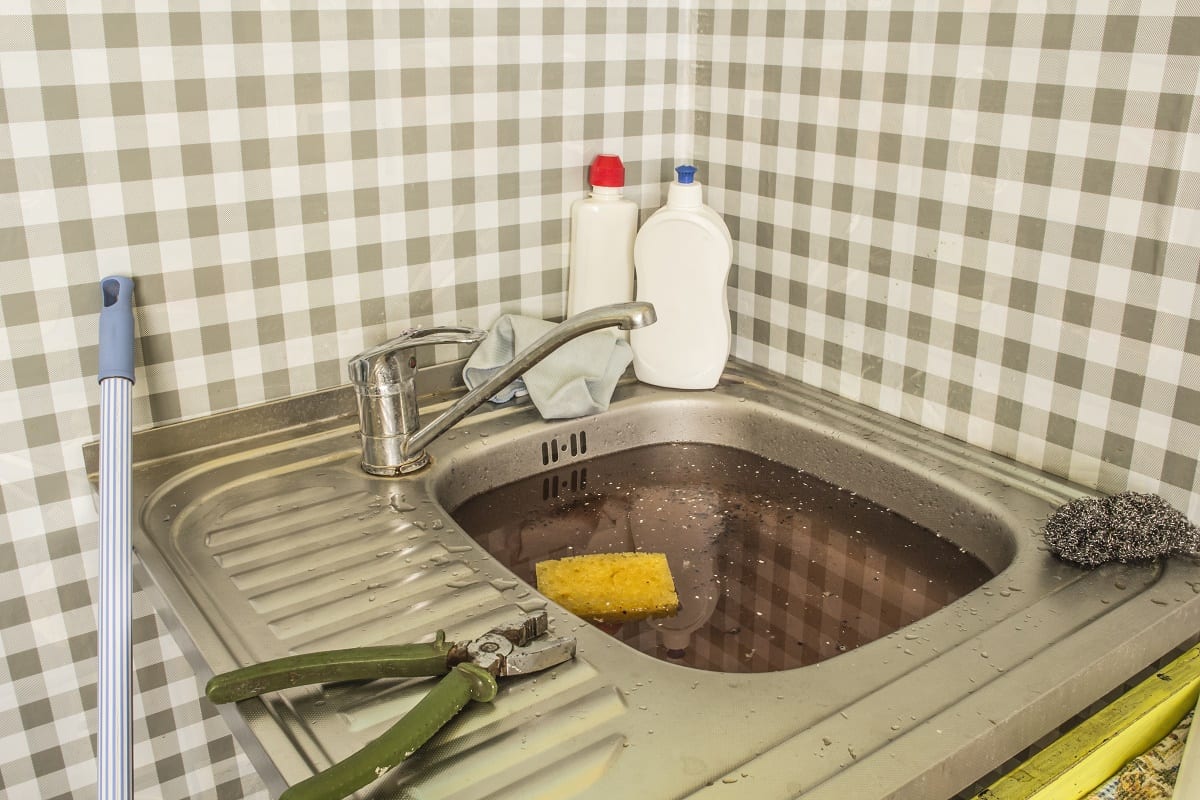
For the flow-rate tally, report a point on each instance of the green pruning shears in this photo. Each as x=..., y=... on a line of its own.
x=470, y=669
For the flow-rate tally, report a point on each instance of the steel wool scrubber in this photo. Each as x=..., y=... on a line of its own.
x=1130, y=526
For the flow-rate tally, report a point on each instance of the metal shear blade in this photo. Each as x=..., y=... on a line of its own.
x=517, y=648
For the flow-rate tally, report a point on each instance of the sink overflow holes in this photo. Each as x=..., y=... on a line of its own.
x=576, y=444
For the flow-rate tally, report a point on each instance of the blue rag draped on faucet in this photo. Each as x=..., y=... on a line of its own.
x=576, y=380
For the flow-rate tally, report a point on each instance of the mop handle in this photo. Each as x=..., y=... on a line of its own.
x=115, y=751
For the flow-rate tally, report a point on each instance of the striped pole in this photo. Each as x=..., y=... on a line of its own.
x=114, y=739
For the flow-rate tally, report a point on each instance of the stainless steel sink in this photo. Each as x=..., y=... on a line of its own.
x=260, y=536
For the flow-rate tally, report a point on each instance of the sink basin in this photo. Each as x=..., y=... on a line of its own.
x=258, y=535
x=775, y=568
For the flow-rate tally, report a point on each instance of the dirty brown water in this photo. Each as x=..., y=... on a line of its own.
x=775, y=568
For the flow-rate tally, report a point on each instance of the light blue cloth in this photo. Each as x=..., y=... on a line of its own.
x=575, y=380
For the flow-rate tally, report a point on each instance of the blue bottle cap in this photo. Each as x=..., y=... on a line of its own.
x=686, y=173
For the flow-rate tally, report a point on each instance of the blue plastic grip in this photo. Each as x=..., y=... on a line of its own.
x=116, y=327
x=686, y=173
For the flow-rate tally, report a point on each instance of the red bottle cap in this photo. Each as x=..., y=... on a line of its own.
x=607, y=170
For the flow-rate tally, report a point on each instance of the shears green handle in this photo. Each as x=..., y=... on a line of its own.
x=463, y=683
x=469, y=669
x=356, y=663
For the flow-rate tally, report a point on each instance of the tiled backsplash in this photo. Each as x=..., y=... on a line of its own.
x=984, y=221
x=987, y=222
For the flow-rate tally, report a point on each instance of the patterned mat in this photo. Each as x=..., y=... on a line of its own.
x=1150, y=776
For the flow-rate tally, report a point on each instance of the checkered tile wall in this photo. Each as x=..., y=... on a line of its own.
x=286, y=182
x=984, y=217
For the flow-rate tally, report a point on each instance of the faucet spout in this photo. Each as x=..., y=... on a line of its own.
x=397, y=446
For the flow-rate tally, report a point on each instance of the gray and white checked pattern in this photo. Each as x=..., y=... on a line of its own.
x=982, y=217
x=286, y=183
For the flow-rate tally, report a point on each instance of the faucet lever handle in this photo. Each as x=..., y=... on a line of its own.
x=372, y=365
x=442, y=334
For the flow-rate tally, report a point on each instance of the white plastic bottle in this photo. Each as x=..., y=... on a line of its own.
x=682, y=257
x=603, y=225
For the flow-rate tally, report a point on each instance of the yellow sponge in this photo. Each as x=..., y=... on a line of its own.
x=610, y=587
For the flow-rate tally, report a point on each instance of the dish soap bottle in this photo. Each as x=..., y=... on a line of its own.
x=682, y=257
x=602, y=230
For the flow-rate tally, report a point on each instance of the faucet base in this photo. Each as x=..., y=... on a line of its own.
x=393, y=471
x=386, y=456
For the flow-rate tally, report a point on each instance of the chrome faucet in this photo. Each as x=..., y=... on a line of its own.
x=393, y=443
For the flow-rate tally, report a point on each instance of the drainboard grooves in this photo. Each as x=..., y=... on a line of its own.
x=479, y=622
x=312, y=574
x=249, y=513
x=303, y=536
x=285, y=513
x=551, y=747
x=403, y=625
x=414, y=587
x=567, y=776
x=400, y=627
x=338, y=603
x=337, y=624
x=517, y=695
